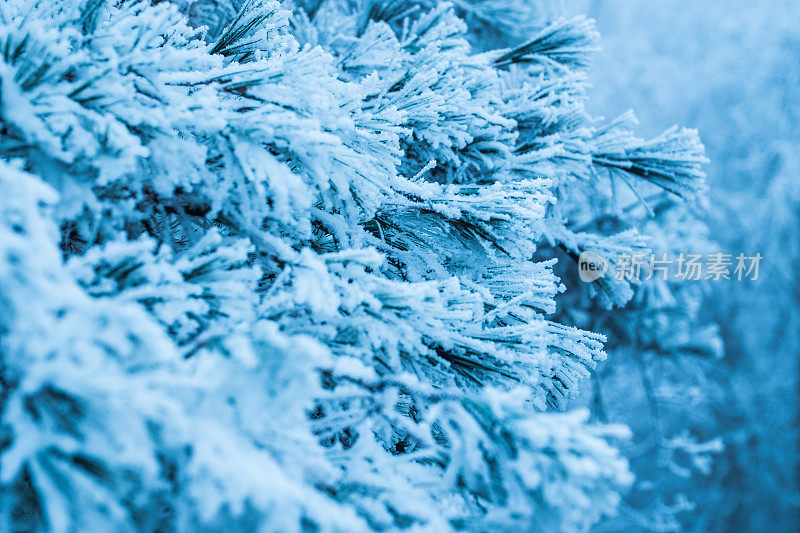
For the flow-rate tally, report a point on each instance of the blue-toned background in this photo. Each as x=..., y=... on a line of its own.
x=731, y=69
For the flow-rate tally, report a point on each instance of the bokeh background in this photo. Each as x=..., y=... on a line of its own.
x=731, y=69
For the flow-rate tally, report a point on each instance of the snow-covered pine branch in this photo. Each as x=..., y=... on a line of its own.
x=277, y=269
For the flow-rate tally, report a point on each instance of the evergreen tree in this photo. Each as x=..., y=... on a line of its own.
x=283, y=267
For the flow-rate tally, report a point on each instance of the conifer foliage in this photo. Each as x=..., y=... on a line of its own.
x=276, y=267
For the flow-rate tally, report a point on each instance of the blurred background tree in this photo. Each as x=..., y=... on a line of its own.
x=731, y=70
